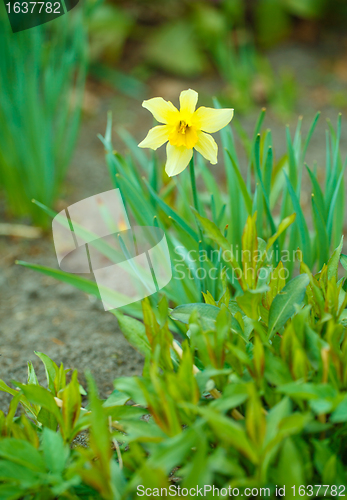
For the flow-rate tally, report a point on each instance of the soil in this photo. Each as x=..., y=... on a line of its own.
x=37, y=313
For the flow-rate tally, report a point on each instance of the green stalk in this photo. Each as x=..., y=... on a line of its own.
x=196, y=206
x=193, y=184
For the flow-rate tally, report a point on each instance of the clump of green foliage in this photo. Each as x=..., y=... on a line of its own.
x=254, y=396
x=42, y=71
x=258, y=182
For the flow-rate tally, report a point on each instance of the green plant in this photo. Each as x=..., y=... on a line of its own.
x=42, y=71
x=254, y=396
x=202, y=242
x=253, y=399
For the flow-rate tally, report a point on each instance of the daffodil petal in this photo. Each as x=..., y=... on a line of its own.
x=188, y=100
x=207, y=146
x=211, y=120
x=163, y=111
x=156, y=137
x=178, y=158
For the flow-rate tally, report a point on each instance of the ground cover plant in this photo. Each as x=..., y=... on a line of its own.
x=244, y=381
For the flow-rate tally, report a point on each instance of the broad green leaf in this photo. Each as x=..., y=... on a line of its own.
x=340, y=413
x=276, y=284
x=134, y=331
x=32, y=378
x=16, y=473
x=249, y=303
x=333, y=262
x=283, y=305
x=124, y=413
x=47, y=419
x=207, y=313
x=72, y=401
x=24, y=401
x=40, y=396
x=22, y=453
x=11, y=492
x=293, y=475
x=307, y=391
x=116, y=398
x=50, y=368
x=274, y=417
x=54, y=452
x=131, y=388
x=233, y=396
x=171, y=452
x=230, y=433
x=99, y=433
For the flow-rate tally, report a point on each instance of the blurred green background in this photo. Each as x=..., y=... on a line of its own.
x=124, y=46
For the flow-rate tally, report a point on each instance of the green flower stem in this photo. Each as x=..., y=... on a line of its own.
x=196, y=206
x=193, y=183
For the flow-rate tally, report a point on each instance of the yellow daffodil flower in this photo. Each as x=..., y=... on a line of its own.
x=184, y=130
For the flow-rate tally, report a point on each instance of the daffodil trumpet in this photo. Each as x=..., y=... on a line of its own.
x=184, y=130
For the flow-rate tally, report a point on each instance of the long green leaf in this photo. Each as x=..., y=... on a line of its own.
x=301, y=222
x=283, y=305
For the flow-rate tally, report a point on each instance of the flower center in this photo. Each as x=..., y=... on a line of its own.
x=183, y=134
x=182, y=127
